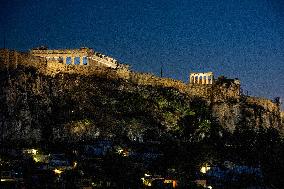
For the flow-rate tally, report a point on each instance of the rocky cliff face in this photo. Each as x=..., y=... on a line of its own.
x=247, y=112
x=232, y=108
x=37, y=105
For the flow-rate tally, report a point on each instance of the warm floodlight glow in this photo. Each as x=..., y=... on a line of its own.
x=57, y=171
x=6, y=180
x=75, y=164
x=34, y=151
x=35, y=159
x=205, y=168
x=146, y=182
x=119, y=151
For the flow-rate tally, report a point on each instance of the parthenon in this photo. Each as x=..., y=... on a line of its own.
x=201, y=78
x=83, y=56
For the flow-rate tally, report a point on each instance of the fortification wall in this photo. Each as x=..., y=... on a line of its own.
x=200, y=90
x=12, y=59
x=225, y=92
x=215, y=92
x=87, y=70
x=59, y=52
x=149, y=79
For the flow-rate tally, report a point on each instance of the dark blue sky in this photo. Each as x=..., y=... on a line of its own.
x=235, y=38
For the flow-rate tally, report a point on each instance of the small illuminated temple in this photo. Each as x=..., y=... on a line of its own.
x=201, y=78
x=83, y=56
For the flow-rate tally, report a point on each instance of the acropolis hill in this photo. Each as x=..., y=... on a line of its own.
x=46, y=88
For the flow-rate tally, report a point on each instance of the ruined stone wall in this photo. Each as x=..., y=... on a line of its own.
x=54, y=68
x=82, y=56
x=149, y=79
x=211, y=92
x=215, y=92
x=226, y=92
x=199, y=90
x=58, y=52
x=105, y=61
x=12, y=59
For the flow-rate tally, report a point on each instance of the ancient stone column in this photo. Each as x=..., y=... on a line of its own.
x=203, y=79
x=73, y=60
x=64, y=60
x=81, y=61
x=210, y=79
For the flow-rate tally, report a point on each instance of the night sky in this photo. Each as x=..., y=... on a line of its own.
x=237, y=38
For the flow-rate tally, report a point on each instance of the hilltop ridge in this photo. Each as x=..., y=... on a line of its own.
x=45, y=98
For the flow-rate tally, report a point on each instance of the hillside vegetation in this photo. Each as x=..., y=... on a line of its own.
x=71, y=109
